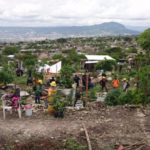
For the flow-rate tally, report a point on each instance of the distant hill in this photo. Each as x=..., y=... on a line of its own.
x=138, y=28
x=38, y=33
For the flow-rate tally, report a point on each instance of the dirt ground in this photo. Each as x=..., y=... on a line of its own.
x=107, y=128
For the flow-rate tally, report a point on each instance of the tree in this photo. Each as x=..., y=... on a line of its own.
x=73, y=59
x=116, y=52
x=144, y=82
x=66, y=75
x=57, y=56
x=106, y=65
x=3, y=60
x=28, y=59
x=144, y=40
x=144, y=72
x=5, y=77
x=61, y=40
x=10, y=50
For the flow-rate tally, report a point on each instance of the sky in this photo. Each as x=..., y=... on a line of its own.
x=73, y=12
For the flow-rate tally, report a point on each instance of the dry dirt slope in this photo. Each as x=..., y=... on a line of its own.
x=107, y=127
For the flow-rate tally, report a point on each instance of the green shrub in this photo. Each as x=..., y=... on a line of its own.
x=128, y=97
x=58, y=104
x=112, y=97
x=133, y=73
x=66, y=76
x=6, y=77
x=21, y=80
x=119, y=97
x=92, y=93
x=106, y=65
x=72, y=144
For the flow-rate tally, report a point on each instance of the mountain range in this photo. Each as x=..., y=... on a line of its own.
x=39, y=33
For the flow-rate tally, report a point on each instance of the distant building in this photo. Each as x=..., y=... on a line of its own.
x=91, y=60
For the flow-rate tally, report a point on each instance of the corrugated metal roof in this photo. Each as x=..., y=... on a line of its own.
x=98, y=57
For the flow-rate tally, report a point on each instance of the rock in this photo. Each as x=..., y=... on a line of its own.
x=17, y=141
x=81, y=129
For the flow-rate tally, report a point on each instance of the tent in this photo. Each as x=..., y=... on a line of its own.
x=51, y=69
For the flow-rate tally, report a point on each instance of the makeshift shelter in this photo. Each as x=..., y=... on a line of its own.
x=91, y=60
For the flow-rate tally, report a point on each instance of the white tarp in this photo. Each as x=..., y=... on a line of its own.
x=52, y=69
x=24, y=93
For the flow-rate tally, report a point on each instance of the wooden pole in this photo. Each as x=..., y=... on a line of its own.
x=87, y=138
x=87, y=85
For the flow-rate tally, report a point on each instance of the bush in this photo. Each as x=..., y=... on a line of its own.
x=10, y=50
x=118, y=97
x=6, y=77
x=66, y=76
x=92, y=93
x=72, y=144
x=112, y=97
x=106, y=65
x=129, y=97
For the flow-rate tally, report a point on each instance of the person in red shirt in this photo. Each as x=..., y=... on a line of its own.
x=115, y=83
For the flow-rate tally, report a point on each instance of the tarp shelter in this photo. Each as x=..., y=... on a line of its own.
x=51, y=69
x=93, y=59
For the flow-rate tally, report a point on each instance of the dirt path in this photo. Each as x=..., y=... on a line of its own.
x=144, y=123
x=106, y=126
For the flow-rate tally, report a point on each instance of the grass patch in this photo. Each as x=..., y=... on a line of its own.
x=72, y=144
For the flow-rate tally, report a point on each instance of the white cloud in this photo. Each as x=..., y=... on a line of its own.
x=73, y=12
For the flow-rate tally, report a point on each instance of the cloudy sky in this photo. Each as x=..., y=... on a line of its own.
x=73, y=12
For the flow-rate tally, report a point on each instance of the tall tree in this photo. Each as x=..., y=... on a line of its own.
x=144, y=41
x=10, y=50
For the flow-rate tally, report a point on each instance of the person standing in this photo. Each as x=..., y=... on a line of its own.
x=38, y=91
x=76, y=80
x=103, y=83
x=84, y=81
x=125, y=84
x=77, y=95
x=115, y=83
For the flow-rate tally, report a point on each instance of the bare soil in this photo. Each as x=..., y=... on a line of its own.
x=108, y=127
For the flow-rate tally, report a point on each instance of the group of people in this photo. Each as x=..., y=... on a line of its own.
x=86, y=81
x=38, y=89
x=115, y=83
x=81, y=84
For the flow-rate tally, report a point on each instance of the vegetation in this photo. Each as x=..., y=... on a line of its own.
x=144, y=40
x=115, y=52
x=6, y=77
x=10, y=50
x=116, y=47
x=106, y=65
x=119, y=97
x=66, y=75
x=72, y=144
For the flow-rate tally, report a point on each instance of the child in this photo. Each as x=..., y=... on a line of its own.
x=125, y=84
